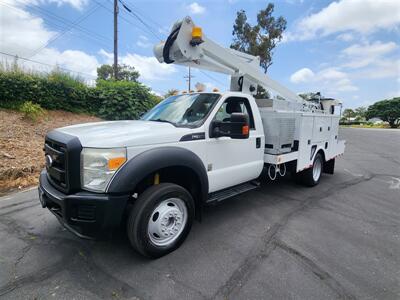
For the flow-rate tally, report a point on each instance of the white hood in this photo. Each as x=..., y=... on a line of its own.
x=125, y=133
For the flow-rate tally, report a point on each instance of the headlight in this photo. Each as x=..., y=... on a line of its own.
x=99, y=165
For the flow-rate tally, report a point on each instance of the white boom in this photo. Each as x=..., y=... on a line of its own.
x=243, y=68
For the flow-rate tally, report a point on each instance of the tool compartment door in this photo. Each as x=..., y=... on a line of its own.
x=322, y=126
x=305, y=141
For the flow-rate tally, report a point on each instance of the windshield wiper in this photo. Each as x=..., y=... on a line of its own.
x=164, y=121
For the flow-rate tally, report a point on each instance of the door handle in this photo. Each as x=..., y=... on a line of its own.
x=258, y=142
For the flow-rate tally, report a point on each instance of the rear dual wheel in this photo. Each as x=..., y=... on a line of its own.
x=160, y=219
x=312, y=176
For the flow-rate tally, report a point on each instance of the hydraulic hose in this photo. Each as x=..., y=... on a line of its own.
x=168, y=44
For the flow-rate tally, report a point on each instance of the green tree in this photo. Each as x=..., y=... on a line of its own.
x=260, y=39
x=125, y=72
x=386, y=110
x=349, y=113
x=171, y=92
x=360, y=112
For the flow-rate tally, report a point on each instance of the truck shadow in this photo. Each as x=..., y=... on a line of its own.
x=283, y=191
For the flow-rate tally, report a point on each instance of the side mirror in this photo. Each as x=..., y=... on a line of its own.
x=240, y=128
x=236, y=128
x=216, y=130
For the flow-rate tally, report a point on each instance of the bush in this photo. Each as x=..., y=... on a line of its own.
x=112, y=100
x=123, y=99
x=31, y=111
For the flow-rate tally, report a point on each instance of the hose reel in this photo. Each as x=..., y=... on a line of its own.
x=273, y=170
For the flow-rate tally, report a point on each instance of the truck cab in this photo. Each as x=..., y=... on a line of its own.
x=95, y=172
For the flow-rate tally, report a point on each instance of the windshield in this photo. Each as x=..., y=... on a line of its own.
x=183, y=110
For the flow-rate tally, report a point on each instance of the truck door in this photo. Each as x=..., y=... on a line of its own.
x=234, y=161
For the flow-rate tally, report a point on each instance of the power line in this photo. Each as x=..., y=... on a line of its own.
x=140, y=19
x=92, y=35
x=45, y=64
x=121, y=16
x=211, y=77
x=65, y=21
x=76, y=22
x=145, y=16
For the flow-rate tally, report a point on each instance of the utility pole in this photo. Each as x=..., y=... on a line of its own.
x=189, y=78
x=115, y=39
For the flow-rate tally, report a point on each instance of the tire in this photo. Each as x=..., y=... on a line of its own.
x=160, y=219
x=312, y=176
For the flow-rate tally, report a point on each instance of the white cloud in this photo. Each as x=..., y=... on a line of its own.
x=362, y=16
x=196, y=9
x=143, y=42
x=361, y=55
x=148, y=66
x=372, y=60
x=330, y=80
x=22, y=34
x=384, y=68
x=294, y=1
x=78, y=4
x=345, y=37
x=72, y=59
x=302, y=75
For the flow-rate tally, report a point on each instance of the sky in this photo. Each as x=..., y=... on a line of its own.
x=346, y=49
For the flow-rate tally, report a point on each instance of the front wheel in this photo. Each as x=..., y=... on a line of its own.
x=311, y=176
x=160, y=219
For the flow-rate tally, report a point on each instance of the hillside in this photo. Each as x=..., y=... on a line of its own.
x=21, y=144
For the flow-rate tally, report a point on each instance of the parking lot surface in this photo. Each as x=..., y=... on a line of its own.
x=340, y=239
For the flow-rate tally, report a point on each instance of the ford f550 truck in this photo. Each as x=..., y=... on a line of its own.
x=190, y=150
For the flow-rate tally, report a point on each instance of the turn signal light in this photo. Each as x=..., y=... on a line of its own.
x=115, y=163
x=245, y=130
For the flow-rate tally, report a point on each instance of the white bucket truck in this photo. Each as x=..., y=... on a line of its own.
x=188, y=151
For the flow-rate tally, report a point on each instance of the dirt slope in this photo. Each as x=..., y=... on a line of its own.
x=21, y=144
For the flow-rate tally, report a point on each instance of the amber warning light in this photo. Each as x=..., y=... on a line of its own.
x=197, y=35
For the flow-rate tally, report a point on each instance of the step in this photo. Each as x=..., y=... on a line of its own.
x=232, y=191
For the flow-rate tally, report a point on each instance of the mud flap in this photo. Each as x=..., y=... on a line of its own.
x=329, y=166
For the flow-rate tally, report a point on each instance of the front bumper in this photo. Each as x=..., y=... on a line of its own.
x=86, y=214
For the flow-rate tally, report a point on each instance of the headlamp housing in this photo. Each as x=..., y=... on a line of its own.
x=98, y=167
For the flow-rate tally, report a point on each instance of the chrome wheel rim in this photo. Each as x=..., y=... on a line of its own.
x=317, y=168
x=167, y=222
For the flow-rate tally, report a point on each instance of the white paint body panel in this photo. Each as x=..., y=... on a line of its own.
x=113, y=134
x=228, y=161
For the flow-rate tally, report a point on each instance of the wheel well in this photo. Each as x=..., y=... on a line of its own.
x=323, y=154
x=179, y=175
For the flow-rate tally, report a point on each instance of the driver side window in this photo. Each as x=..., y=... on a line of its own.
x=234, y=105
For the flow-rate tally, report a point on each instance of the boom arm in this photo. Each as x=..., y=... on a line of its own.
x=206, y=54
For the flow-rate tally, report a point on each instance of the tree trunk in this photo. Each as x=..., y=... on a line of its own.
x=392, y=124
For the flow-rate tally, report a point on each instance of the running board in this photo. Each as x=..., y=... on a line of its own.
x=232, y=191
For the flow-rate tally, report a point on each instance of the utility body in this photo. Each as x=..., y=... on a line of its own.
x=190, y=150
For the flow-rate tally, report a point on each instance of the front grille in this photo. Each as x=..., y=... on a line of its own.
x=64, y=152
x=57, y=170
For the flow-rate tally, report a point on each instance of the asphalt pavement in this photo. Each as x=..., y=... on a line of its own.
x=340, y=239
